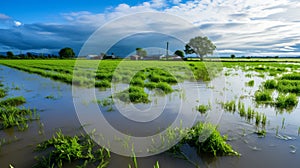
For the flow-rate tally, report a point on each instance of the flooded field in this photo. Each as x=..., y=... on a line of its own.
x=263, y=130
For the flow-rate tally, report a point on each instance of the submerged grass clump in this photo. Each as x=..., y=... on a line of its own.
x=134, y=94
x=241, y=109
x=229, y=106
x=270, y=84
x=12, y=116
x=166, y=88
x=15, y=101
x=3, y=92
x=203, y=108
x=250, y=83
x=286, y=101
x=264, y=96
x=288, y=86
x=292, y=76
x=79, y=149
x=213, y=144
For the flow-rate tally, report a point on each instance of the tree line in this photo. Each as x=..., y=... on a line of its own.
x=201, y=46
x=64, y=53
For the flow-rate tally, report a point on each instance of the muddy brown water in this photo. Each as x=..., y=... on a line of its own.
x=59, y=113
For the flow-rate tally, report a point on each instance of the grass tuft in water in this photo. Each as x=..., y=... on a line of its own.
x=15, y=101
x=229, y=106
x=134, y=94
x=206, y=139
x=270, y=84
x=263, y=96
x=165, y=87
x=203, y=108
x=250, y=83
x=81, y=150
x=213, y=144
x=3, y=92
x=287, y=101
x=12, y=116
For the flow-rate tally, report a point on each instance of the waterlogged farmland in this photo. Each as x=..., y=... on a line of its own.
x=232, y=114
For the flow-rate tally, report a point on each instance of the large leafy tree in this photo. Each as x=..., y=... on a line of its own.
x=201, y=46
x=66, y=53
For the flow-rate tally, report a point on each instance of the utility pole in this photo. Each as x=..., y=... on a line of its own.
x=167, y=51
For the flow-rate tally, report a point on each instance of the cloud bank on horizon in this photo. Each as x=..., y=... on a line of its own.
x=241, y=27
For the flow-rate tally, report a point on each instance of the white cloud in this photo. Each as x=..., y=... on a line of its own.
x=158, y=3
x=17, y=23
x=234, y=25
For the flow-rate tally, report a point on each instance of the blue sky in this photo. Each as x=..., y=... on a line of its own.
x=241, y=27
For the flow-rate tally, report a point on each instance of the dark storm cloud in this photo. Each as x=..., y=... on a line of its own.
x=39, y=36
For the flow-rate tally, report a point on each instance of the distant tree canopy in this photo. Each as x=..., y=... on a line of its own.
x=200, y=46
x=66, y=53
x=179, y=53
x=232, y=56
x=10, y=54
x=141, y=52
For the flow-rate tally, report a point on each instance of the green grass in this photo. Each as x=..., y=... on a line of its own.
x=80, y=149
x=263, y=96
x=286, y=101
x=250, y=83
x=241, y=109
x=292, y=76
x=203, y=108
x=12, y=116
x=164, y=87
x=133, y=94
x=229, y=106
x=63, y=70
x=15, y=101
x=215, y=144
x=270, y=84
x=3, y=92
x=151, y=74
x=288, y=83
x=288, y=86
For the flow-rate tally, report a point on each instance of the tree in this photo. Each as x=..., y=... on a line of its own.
x=141, y=52
x=29, y=55
x=10, y=54
x=66, y=53
x=179, y=53
x=200, y=46
x=188, y=49
x=232, y=56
